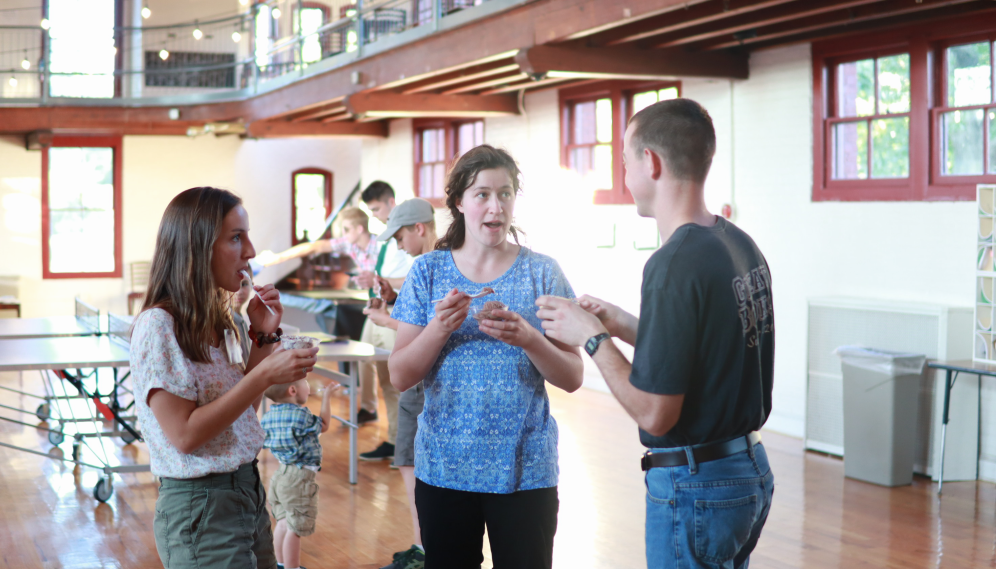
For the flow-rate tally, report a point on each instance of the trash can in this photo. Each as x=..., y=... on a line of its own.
x=881, y=391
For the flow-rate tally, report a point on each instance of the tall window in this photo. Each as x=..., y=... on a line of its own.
x=968, y=116
x=593, y=122
x=311, y=189
x=81, y=208
x=438, y=144
x=82, y=48
x=313, y=16
x=264, y=32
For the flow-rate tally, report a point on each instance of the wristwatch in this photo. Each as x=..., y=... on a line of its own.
x=591, y=346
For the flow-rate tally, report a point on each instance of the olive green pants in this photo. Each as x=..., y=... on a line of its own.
x=219, y=520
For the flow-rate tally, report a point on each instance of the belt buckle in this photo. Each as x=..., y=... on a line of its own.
x=645, y=462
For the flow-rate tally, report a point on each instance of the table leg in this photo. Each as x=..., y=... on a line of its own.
x=948, y=382
x=354, y=377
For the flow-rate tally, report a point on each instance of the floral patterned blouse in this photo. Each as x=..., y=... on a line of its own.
x=486, y=426
x=157, y=362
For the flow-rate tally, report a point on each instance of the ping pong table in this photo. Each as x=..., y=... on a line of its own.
x=61, y=349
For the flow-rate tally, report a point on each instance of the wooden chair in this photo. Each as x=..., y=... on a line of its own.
x=139, y=283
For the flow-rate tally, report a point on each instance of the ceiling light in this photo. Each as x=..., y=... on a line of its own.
x=13, y=81
x=198, y=34
x=146, y=12
x=276, y=13
x=25, y=64
x=45, y=24
x=244, y=2
x=163, y=54
x=236, y=37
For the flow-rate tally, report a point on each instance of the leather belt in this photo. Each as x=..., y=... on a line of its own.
x=705, y=453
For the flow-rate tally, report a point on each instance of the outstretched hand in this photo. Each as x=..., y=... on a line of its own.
x=566, y=321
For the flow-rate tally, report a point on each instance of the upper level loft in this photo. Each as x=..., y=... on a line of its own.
x=265, y=68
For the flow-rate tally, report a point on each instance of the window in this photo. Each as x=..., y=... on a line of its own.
x=82, y=52
x=905, y=115
x=313, y=16
x=311, y=190
x=593, y=122
x=81, y=208
x=438, y=144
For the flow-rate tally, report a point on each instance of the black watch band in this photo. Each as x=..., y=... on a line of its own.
x=591, y=346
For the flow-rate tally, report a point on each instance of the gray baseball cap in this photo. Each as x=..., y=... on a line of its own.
x=415, y=210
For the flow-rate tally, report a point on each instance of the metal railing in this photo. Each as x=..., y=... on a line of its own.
x=221, y=59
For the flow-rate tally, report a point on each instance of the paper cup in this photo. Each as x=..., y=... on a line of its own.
x=298, y=342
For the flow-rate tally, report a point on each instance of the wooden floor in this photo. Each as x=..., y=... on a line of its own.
x=48, y=517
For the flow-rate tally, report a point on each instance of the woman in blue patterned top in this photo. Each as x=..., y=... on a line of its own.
x=486, y=449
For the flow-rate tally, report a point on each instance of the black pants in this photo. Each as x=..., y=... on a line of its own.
x=520, y=526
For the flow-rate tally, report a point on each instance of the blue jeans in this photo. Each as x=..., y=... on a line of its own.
x=708, y=514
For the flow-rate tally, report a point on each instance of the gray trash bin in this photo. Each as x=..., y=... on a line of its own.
x=881, y=389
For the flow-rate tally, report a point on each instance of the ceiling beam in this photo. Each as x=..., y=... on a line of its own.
x=335, y=118
x=629, y=63
x=282, y=129
x=815, y=25
x=321, y=112
x=92, y=120
x=692, y=16
x=503, y=80
x=529, y=85
x=381, y=104
x=584, y=18
x=811, y=9
x=459, y=77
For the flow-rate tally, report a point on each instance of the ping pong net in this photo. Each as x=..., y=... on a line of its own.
x=119, y=328
x=88, y=316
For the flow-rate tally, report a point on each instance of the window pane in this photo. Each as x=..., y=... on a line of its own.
x=603, y=119
x=643, y=100
x=580, y=160
x=969, y=75
x=891, y=148
x=894, y=84
x=856, y=88
x=83, y=43
x=438, y=180
x=311, y=20
x=667, y=94
x=603, y=166
x=992, y=142
x=433, y=145
x=469, y=135
x=961, y=140
x=309, y=202
x=81, y=210
x=584, y=123
x=425, y=181
x=850, y=156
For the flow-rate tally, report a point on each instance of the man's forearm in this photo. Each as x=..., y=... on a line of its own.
x=624, y=327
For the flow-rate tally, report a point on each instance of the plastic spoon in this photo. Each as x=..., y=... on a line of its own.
x=484, y=292
x=246, y=275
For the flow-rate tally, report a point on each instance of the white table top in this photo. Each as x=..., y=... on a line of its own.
x=350, y=351
x=19, y=328
x=61, y=353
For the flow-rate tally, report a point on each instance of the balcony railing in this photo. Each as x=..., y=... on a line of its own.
x=267, y=46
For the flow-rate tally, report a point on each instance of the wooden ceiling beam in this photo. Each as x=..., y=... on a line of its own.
x=529, y=85
x=460, y=77
x=381, y=104
x=814, y=26
x=690, y=17
x=811, y=9
x=336, y=118
x=92, y=120
x=628, y=63
x=503, y=80
x=283, y=129
x=321, y=112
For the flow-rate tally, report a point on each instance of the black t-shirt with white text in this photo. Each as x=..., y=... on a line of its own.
x=707, y=330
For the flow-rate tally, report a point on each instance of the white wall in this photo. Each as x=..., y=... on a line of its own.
x=155, y=169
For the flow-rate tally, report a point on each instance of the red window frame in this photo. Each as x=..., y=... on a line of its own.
x=450, y=128
x=114, y=142
x=621, y=94
x=328, y=200
x=928, y=99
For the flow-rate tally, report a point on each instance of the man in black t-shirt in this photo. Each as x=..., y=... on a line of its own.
x=699, y=386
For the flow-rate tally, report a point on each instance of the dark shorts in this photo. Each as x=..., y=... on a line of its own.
x=219, y=520
x=409, y=406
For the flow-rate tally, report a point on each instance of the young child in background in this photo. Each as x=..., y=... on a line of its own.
x=292, y=436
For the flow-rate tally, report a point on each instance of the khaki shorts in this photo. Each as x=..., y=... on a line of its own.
x=294, y=497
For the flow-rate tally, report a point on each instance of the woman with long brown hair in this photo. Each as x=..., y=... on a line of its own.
x=198, y=394
x=486, y=448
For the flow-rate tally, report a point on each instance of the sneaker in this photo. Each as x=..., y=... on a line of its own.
x=365, y=416
x=383, y=452
x=393, y=466
x=413, y=558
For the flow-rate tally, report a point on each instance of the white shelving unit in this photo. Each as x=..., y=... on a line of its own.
x=985, y=276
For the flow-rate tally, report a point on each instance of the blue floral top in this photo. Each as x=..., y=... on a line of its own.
x=486, y=426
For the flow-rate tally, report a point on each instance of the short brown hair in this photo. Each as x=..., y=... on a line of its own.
x=356, y=216
x=278, y=392
x=681, y=132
